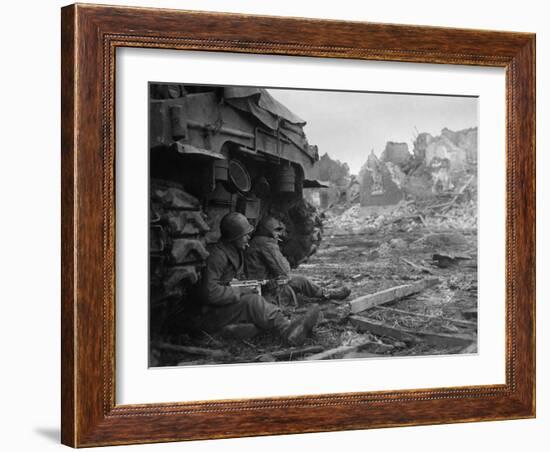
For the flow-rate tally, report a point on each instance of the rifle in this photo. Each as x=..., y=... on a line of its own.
x=257, y=283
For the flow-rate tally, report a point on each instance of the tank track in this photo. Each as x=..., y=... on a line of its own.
x=177, y=237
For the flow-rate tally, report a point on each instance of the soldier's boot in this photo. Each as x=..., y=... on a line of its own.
x=336, y=294
x=298, y=329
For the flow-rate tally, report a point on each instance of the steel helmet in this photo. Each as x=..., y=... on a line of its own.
x=234, y=225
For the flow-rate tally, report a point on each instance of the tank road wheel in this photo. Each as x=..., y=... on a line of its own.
x=177, y=254
x=304, y=232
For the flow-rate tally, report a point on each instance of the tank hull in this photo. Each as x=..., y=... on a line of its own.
x=215, y=150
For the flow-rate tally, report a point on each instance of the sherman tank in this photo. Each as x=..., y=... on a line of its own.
x=215, y=150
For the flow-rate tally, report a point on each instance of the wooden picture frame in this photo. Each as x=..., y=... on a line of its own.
x=90, y=36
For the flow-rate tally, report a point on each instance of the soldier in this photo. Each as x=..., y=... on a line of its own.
x=224, y=305
x=266, y=261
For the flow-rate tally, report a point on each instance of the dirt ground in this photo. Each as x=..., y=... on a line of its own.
x=368, y=251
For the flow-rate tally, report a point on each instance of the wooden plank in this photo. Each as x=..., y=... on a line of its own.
x=460, y=192
x=470, y=313
x=360, y=355
x=213, y=353
x=407, y=335
x=333, y=351
x=426, y=316
x=418, y=267
x=283, y=354
x=385, y=296
x=472, y=348
x=349, y=348
x=447, y=339
x=370, y=326
x=289, y=353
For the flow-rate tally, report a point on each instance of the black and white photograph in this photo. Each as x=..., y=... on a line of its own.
x=303, y=225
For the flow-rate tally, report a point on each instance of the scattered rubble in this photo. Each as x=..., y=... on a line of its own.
x=405, y=216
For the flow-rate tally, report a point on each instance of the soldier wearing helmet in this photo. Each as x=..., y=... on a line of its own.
x=224, y=305
x=265, y=260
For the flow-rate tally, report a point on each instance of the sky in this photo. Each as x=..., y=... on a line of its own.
x=348, y=125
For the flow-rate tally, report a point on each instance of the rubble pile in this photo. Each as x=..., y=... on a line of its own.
x=462, y=216
x=357, y=220
x=349, y=219
x=405, y=216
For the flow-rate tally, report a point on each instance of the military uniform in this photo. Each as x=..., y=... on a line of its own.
x=223, y=305
x=264, y=260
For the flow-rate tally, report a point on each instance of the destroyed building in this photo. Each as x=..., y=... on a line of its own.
x=353, y=190
x=334, y=183
x=397, y=153
x=381, y=182
x=436, y=165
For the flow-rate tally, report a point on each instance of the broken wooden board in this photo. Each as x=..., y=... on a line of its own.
x=472, y=348
x=378, y=328
x=406, y=335
x=347, y=349
x=470, y=313
x=460, y=192
x=465, y=323
x=356, y=354
x=417, y=267
x=195, y=362
x=334, y=351
x=191, y=350
x=394, y=293
x=449, y=340
x=289, y=353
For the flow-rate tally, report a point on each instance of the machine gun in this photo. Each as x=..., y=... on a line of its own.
x=257, y=283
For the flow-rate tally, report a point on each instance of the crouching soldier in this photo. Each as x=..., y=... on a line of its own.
x=265, y=261
x=224, y=304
